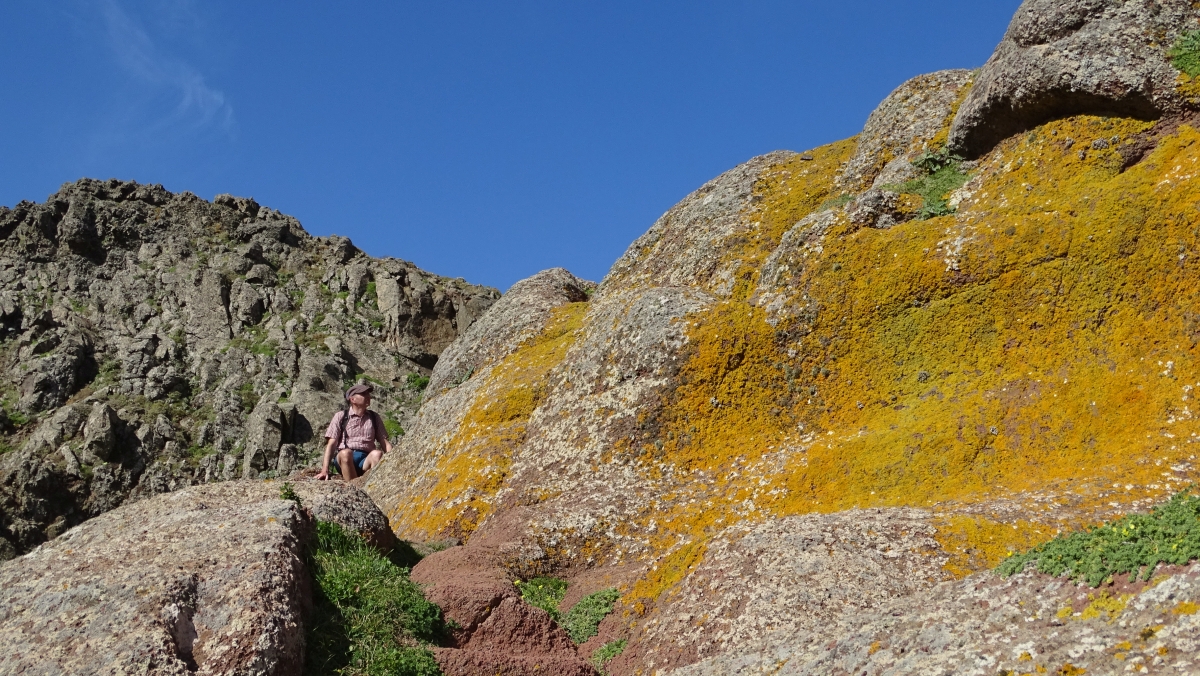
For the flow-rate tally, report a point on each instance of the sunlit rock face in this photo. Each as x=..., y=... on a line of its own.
x=797, y=387
x=1076, y=57
x=151, y=341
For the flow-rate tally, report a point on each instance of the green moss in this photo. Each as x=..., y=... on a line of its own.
x=583, y=620
x=1185, y=54
x=1134, y=544
x=839, y=201
x=368, y=617
x=545, y=593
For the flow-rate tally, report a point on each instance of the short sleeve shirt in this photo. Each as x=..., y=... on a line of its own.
x=361, y=432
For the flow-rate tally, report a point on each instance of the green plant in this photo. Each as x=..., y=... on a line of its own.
x=1135, y=544
x=288, y=492
x=839, y=201
x=248, y=396
x=605, y=653
x=369, y=618
x=416, y=381
x=582, y=621
x=943, y=175
x=1185, y=53
x=545, y=593
x=393, y=426
x=196, y=453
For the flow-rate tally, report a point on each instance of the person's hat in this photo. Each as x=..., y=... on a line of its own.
x=361, y=388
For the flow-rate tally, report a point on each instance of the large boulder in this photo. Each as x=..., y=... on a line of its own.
x=1068, y=57
x=209, y=579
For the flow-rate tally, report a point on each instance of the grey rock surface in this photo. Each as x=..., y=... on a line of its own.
x=210, y=580
x=1072, y=57
x=189, y=341
x=900, y=127
x=984, y=625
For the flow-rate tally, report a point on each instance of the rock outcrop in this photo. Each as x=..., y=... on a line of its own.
x=153, y=341
x=210, y=579
x=1073, y=57
x=803, y=398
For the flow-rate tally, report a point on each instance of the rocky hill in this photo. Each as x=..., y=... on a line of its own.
x=793, y=430
x=827, y=385
x=152, y=341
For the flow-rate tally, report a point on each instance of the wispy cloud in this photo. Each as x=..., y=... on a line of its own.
x=170, y=94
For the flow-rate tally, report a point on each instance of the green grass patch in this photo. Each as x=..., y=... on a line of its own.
x=247, y=396
x=582, y=621
x=1185, y=54
x=605, y=654
x=369, y=618
x=545, y=593
x=1135, y=544
x=394, y=429
x=416, y=381
x=943, y=175
x=834, y=202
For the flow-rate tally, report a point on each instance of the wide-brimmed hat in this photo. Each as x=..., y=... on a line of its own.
x=361, y=388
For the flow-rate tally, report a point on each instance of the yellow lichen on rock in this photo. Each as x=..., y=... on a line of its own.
x=1040, y=343
x=475, y=463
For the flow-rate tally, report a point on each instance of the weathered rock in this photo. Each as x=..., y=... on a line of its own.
x=210, y=579
x=183, y=325
x=1062, y=58
x=985, y=625
x=902, y=126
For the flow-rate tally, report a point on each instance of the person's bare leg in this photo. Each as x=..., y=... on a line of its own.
x=346, y=462
x=373, y=459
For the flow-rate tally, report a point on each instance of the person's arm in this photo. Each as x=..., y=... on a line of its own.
x=324, y=473
x=331, y=436
x=381, y=435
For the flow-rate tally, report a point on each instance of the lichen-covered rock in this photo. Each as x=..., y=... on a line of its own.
x=204, y=341
x=1062, y=58
x=985, y=625
x=908, y=121
x=210, y=579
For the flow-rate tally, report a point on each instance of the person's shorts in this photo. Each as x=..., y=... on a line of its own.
x=359, y=458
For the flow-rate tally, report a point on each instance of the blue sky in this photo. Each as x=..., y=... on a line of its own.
x=484, y=140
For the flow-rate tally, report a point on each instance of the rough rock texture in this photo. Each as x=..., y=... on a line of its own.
x=153, y=340
x=1069, y=57
x=497, y=632
x=984, y=625
x=904, y=124
x=791, y=575
x=771, y=351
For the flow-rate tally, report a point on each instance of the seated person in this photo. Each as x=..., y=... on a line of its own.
x=358, y=434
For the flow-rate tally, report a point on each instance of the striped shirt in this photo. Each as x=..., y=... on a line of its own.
x=361, y=432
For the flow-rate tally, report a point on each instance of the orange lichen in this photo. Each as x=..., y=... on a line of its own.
x=665, y=574
x=1041, y=340
x=975, y=542
x=474, y=465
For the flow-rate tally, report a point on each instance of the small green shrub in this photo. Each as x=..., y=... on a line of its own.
x=943, y=175
x=288, y=492
x=1185, y=54
x=545, y=593
x=247, y=396
x=394, y=429
x=416, y=381
x=1135, y=544
x=369, y=618
x=582, y=621
x=605, y=654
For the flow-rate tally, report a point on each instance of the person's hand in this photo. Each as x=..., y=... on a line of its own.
x=322, y=475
